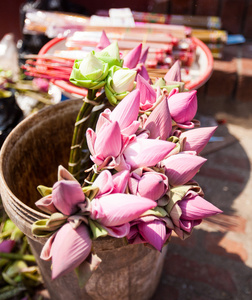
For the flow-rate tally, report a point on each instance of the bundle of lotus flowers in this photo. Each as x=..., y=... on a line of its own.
x=142, y=151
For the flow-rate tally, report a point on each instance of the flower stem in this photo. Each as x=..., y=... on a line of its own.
x=81, y=124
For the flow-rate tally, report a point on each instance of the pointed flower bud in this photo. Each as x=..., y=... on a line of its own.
x=103, y=43
x=196, y=139
x=89, y=72
x=149, y=184
x=120, y=82
x=110, y=55
x=174, y=73
x=159, y=123
x=148, y=95
x=182, y=167
x=132, y=57
x=183, y=107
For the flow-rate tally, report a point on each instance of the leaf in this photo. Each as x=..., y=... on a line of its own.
x=41, y=229
x=157, y=211
x=44, y=191
x=97, y=229
x=90, y=191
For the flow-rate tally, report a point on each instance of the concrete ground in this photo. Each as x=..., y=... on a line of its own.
x=215, y=263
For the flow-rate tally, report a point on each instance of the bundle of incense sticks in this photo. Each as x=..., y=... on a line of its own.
x=210, y=22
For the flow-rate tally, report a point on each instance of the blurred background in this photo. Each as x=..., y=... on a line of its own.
x=216, y=262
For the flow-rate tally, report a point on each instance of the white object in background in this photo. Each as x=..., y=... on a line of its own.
x=122, y=17
x=9, y=55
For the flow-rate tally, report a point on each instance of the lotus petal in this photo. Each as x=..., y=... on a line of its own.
x=127, y=110
x=66, y=196
x=183, y=106
x=159, y=123
x=174, y=73
x=46, y=204
x=182, y=167
x=103, y=43
x=147, y=95
x=132, y=57
x=154, y=232
x=197, y=139
x=118, y=209
x=108, y=141
x=146, y=152
x=197, y=207
x=69, y=249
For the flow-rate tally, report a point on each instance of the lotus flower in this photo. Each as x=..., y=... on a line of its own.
x=159, y=123
x=109, y=184
x=148, y=94
x=149, y=229
x=146, y=152
x=107, y=145
x=118, y=209
x=149, y=184
x=89, y=72
x=196, y=139
x=132, y=57
x=125, y=113
x=189, y=212
x=120, y=82
x=183, y=107
x=110, y=55
x=103, y=43
x=68, y=245
x=182, y=167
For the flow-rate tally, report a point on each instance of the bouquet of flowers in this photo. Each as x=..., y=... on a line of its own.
x=132, y=163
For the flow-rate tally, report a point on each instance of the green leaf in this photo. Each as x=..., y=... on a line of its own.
x=157, y=211
x=44, y=190
x=97, y=229
x=90, y=191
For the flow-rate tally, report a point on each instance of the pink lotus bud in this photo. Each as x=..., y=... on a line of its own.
x=109, y=184
x=154, y=232
x=174, y=74
x=182, y=167
x=147, y=95
x=132, y=57
x=152, y=185
x=159, y=123
x=195, y=207
x=146, y=152
x=66, y=196
x=126, y=113
x=118, y=209
x=103, y=43
x=107, y=143
x=144, y=55
x=149, y=229
x=183, y=106
x=197, y=139
x=69, y=249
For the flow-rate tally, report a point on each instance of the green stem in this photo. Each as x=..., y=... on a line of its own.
x=81, y=124
x=17, y=256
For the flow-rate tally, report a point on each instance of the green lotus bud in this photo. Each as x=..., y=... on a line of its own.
x=123, y=80
x=110, y=55
x=120, y=82
x=89, y=72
